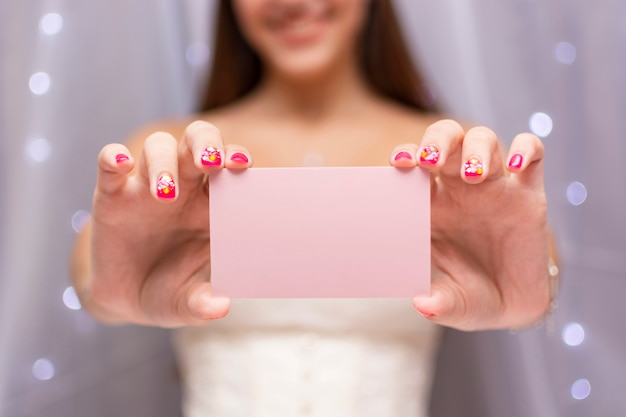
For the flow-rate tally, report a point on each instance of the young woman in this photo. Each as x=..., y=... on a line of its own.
x=301, y=82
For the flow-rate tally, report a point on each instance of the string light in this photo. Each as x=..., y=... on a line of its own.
x=576, y=193
x=51, y=24
x=581, y=389
x=38, y=150
x=80, y=219
x=573, y=334
x=540, y=124
x=565, y=53
x=70, y=299
x=43, y=369
x=39, y=83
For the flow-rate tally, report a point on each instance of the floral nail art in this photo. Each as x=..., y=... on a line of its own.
x=430, y=154
x=166, y=188
x=211, y=156
x=473, y=167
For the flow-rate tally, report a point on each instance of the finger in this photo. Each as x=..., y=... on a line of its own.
x=200, y=151
x=179, y=293
x=202, y=306
x=237, y=157
x=526, y=159
x=481, y=155
x=440, y=147
x=404, y=156
x=439, y=305
x=114, y=164
x=449, y=306
x=191, y=304
x=160, y=165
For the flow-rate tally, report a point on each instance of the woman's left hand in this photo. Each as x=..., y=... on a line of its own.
x=489, y=233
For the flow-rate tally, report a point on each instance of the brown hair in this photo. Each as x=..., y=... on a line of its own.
x=382, y=52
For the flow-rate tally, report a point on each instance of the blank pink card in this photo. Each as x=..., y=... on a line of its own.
x=320, y=232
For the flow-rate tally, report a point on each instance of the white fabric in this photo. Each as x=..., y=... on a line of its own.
x=309, y=358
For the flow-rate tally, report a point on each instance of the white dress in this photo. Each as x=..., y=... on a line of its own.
x=309, y=357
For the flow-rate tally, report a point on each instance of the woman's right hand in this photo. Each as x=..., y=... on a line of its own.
x=150, y=246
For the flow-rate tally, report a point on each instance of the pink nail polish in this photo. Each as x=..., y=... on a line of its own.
x=516, y=161
x=211, y=156
x=166, y=188
x=427, y=315
x=473, y=167
x=430, y=154
x=120, y=157
x=240, y=158
x=402, y=155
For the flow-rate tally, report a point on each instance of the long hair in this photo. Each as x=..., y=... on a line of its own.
x=382, y=52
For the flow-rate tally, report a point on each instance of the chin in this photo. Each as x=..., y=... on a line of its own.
x=306, y=66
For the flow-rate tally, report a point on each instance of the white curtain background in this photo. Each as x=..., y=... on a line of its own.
x=77, y=75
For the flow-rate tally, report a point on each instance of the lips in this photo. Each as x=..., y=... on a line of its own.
x=299, y=26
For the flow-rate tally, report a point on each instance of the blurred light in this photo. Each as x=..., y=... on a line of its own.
x=70, y=299
x=581, y=389
x=51, y=24
x=565, y=53
x=576, y=193
x=39, y=83
x=80, y=219
x=197, y=54
x=573, y=334
x=540, y=124
x=38, y=150
x=43, y=369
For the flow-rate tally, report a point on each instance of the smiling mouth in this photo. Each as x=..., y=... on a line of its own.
x=300, y=28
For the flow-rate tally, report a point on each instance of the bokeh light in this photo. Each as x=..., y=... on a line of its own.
x=573, y=334
x=51, y=24
x=576, y=193
x=540, y=124
x=39, y=83
x=70, y=299
x=43, y=369
x=38, y=150
x=565, y=53
x=80, y=219
x=581, y=389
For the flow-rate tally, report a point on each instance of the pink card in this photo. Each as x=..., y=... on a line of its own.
x=320, y=232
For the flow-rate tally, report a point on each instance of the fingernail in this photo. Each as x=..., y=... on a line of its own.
x=240, y=158
x=473, y=167
x=166, y=188
x=425, y=314
x=402, y=155
x=516, y=161
x=211, y=156
x=430, y=154
x=120, y=157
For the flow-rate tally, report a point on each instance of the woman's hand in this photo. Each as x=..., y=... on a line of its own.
x=150, y=230
x=489, y=229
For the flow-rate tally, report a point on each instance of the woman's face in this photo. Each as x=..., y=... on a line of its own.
x=301, y=39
